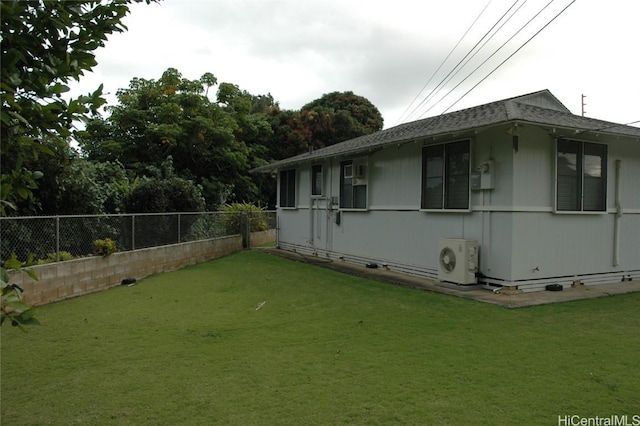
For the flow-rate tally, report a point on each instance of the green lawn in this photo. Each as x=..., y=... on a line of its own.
x=189, y=347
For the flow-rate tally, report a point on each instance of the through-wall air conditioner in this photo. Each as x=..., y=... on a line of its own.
x=458, y=260
x=361, y=171
x=360, y=174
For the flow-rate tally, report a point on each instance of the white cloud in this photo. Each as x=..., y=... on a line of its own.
x=384, y=51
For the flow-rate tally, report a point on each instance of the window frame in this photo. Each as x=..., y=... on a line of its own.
x=287, y=187
x=582, y=148
x=350, y=166
x=446, y=195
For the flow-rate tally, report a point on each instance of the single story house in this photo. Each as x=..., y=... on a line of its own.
x=519, y=193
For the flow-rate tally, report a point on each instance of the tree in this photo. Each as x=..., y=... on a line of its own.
x=88, y=188
x=333, y=118
x=165, y=193
x=290, y=136
x=12, y=307
x=213, y=143
x=339, y=116
x=46, y=44
x=250, y=112
x=358, y=107
x=50, y=166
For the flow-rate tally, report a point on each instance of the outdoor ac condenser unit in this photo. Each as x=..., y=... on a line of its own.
x=458, y=260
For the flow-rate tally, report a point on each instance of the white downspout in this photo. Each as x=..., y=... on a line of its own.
x=311, y=227
x=328, y=243
x=616, y=219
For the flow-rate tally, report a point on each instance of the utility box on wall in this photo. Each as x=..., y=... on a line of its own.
x=483, y=177
x=474, y=181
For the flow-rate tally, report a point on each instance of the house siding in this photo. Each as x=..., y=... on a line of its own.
x=574, y=245
x=523, y=242
x=393, y=230
x=494, y=144
x=395, y=178
x=533, y=173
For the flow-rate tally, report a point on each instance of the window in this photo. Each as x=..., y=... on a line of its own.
x=316, y=180
x=288, y=188
x=353, y=185
x=445, y=176
x=581, y=176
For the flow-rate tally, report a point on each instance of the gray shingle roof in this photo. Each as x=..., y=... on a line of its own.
x=540, y=108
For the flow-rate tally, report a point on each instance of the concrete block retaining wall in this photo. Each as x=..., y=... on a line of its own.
x=62, y=280
x=263, y=237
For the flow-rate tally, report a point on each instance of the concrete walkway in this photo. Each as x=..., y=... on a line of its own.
x=511, y=300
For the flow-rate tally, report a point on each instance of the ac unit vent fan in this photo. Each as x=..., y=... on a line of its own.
x=448, y=259
x=457, y=260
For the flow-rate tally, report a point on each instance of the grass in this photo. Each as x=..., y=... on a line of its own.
x=189, y=347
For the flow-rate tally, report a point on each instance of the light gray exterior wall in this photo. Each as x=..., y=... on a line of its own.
x=570, y=246
x=522, y=241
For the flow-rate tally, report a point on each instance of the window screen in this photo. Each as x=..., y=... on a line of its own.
x=288, y=188
x=445, y=176
x=581, y=176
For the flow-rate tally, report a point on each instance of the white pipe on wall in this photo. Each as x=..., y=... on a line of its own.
x=311, y=220
x=616, y=219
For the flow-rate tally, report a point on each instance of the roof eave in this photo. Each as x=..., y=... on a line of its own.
x=307, y=158
x=572, y=131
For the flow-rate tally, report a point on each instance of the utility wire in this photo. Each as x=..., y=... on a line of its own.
x=490, y=56
x=465, y=57
x=486, y=60
x=510, y=56
x=443, y=62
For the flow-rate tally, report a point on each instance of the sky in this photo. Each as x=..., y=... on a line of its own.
x=411, y=58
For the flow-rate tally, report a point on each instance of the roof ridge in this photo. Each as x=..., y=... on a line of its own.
x=512, y=110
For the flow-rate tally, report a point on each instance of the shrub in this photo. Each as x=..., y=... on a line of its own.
x=234, y=214
x=31, y=259
x=12, y=307
x=104, y=247
x=51, y=258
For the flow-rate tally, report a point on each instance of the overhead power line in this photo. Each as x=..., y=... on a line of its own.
x=444, y=61
x=510, y=56
x=488, y=58
x=425, y=99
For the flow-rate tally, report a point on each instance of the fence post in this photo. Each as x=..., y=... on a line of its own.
x=178, y=228
x=57, y=238
x=245, y=230
x=248, y=230
x=133, y=232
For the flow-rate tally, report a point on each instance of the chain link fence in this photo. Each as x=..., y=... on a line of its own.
x=43, y=239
